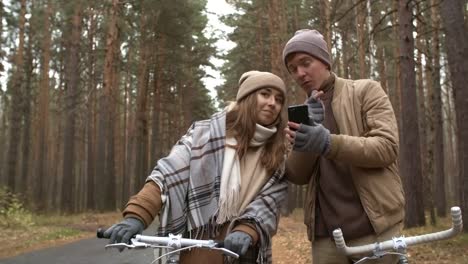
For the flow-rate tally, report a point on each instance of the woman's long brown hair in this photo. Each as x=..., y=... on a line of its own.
x=240, y=124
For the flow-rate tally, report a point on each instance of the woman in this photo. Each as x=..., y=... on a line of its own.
x=222, y=180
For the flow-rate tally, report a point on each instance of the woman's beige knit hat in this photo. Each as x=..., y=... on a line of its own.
x=252, y=81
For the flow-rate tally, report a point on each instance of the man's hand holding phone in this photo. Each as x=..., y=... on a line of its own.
x=316, y=107
x=309, y=137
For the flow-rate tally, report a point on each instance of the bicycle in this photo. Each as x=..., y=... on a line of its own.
x=398, y=245
x=174, y=243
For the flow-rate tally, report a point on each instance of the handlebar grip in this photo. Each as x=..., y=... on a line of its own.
x=100, y=233
x=219, y=243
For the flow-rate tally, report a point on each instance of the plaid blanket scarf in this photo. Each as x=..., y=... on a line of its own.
x=189, y=178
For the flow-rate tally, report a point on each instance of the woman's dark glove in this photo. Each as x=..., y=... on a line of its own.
x=123, y=231
x=238, y=242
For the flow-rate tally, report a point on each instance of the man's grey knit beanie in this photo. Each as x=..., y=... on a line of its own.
x=309, y=41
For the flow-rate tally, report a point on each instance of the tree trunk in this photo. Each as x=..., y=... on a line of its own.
x=426, y=125
x=380, y=53
x=361, y=35
x=457, y=53
x=422, y=120
x=3, y=136
x=16, y=100
x=91, y=115
x=396, y=98
x=325, y=21
x=434, y=71
x=26, y=161
x=301, y=196
x=102, y=150
x=116, y=157
x=155, y=152
x=276, y=28
x=410, y=158
x=126, y=119
x=2, y=56
x=107, y=117
x=141, y=119
x=344, y=29
x=71, y=114
x=53, y=190
x=41, y=149
x=382, y=68
x=451, y=141
x=292, y=195
x=260, y=47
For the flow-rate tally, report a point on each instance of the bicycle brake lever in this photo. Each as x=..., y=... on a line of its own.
x=219, y=245
x=134, y=245
x=228, y=252
x=119, y=246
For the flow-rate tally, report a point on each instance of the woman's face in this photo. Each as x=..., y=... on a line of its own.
x=269, y=104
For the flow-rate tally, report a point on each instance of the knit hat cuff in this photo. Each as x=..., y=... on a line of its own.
x=309, y=48
x=254, y=80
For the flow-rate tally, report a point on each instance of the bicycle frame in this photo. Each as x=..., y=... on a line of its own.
x=399, y=245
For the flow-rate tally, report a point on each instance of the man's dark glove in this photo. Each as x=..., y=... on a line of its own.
x=238, y=242
x=315, y=110
x=123, y=231
x=314, y=138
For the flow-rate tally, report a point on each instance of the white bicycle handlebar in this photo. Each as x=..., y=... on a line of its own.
x=174, y=242
x=401, y=242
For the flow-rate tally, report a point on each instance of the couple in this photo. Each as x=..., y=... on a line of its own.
x=226, y=178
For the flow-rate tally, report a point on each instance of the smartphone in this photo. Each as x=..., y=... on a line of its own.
x=298, y=114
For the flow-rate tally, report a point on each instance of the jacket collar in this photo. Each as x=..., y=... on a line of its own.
x=339, y=84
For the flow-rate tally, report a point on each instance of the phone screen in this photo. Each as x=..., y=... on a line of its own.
x=298, y=114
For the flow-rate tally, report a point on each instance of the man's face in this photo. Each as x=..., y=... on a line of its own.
x=308, y=71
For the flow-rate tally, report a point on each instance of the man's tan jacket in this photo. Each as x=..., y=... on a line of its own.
x=368, y=142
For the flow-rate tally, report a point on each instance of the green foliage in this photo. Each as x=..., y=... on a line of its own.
x=13, y=214
x=254, y=40
x=245, y=56
x=187, y=49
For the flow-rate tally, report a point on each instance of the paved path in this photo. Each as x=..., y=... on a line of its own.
x=87, y=251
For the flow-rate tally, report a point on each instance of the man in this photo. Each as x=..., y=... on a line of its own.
x=347, y=154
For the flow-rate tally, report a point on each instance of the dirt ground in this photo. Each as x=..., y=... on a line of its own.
x=289, y=244
x=54, y=232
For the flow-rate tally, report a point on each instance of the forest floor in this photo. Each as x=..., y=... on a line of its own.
x=290, y=243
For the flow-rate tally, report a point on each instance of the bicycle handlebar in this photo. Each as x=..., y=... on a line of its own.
x=401, y=242
x=100, y=233
x=171, y=241
x=177, y=241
